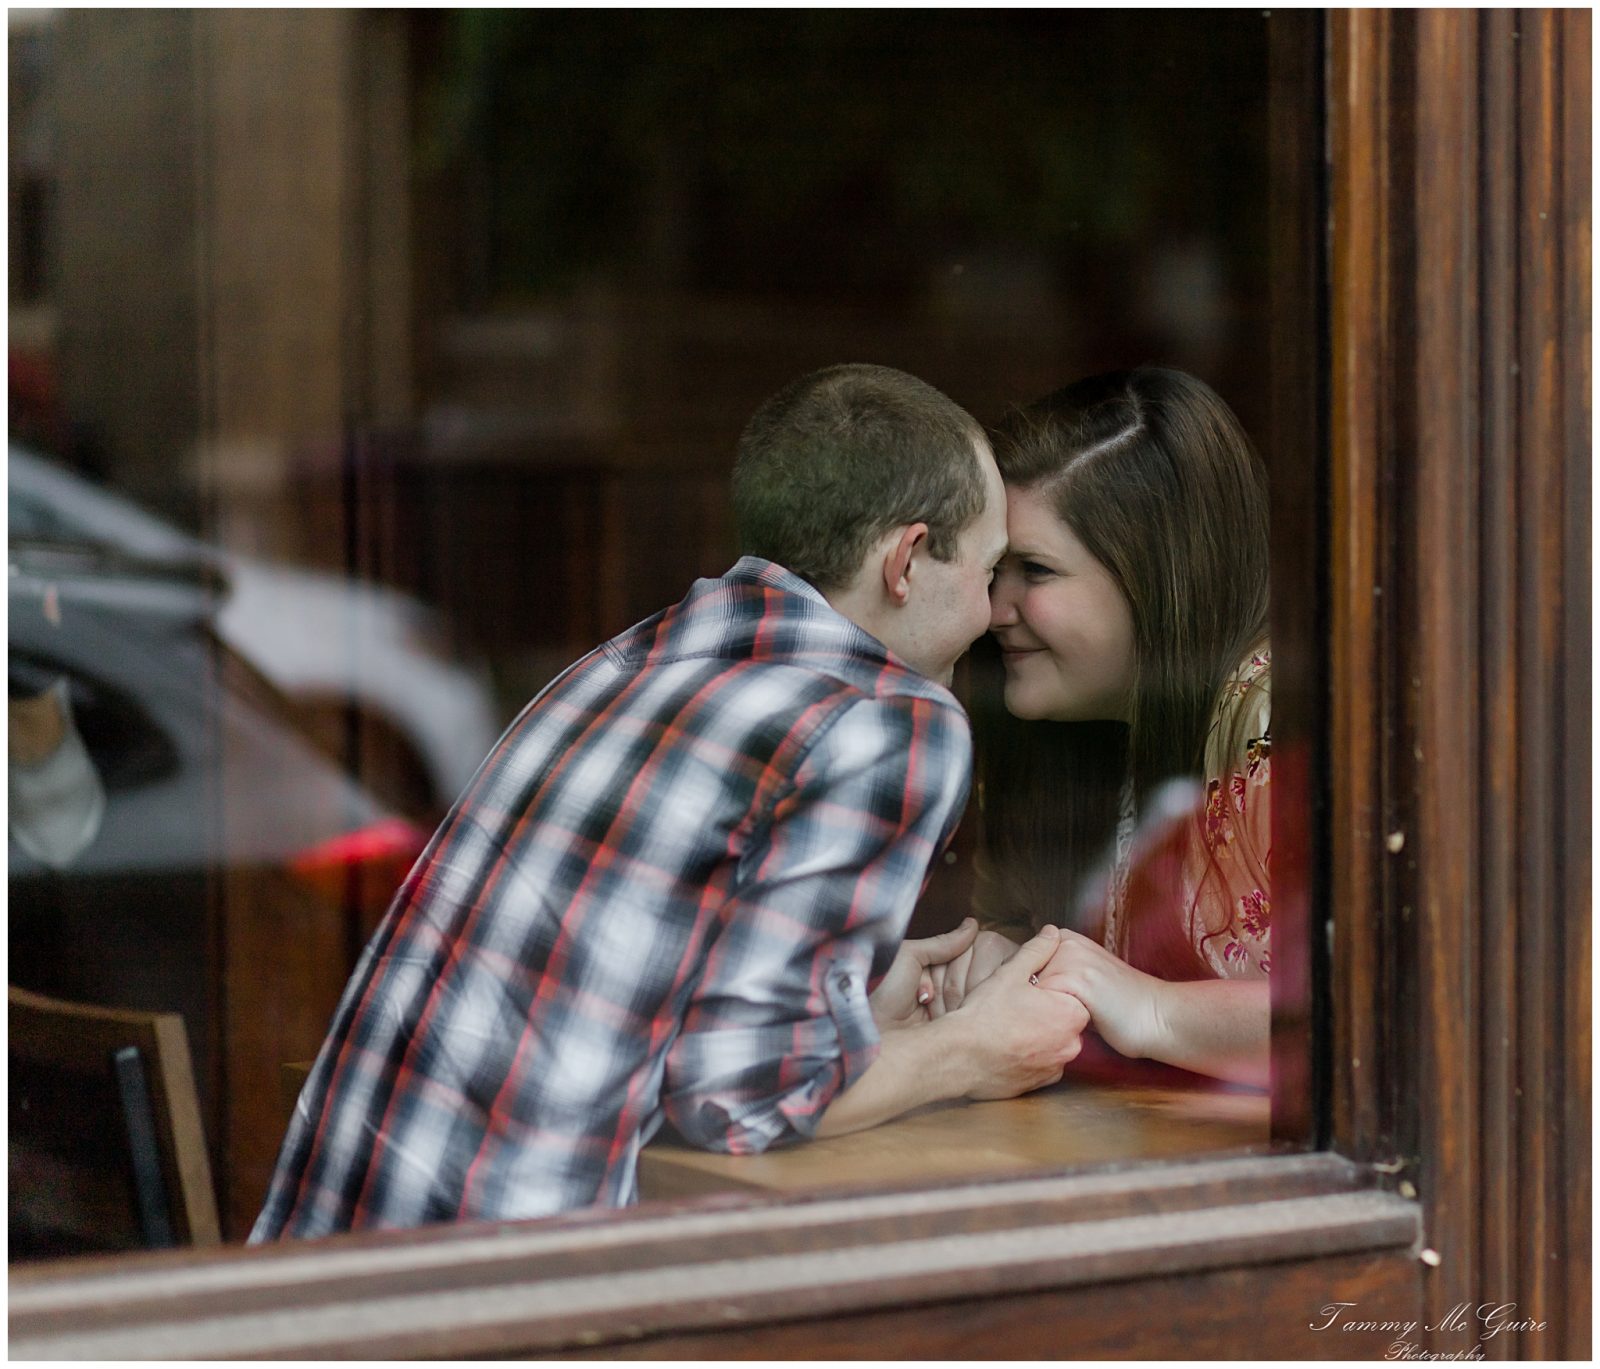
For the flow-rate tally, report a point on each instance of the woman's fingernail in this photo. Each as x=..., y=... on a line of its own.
x=924, y=996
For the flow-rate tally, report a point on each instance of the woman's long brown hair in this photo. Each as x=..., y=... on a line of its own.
x=1156, y=478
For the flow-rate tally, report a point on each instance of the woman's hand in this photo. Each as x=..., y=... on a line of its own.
x=1126, y=1006
x=952, y=982
x=904, y=996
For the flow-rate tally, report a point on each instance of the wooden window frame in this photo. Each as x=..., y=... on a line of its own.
x=1435, y=707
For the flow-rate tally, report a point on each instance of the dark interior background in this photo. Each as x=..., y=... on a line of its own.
x=474, y=305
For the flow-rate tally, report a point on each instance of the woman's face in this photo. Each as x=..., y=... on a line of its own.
x=1064, y=627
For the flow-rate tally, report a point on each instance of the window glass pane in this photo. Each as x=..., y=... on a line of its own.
x=367, y=369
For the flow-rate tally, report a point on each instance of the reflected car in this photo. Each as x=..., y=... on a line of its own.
x=231, y=870
x=345, y=653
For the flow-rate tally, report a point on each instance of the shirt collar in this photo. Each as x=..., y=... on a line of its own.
x=758, y=570
x=760, y=607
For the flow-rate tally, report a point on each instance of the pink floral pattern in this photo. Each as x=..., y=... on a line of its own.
x=1219, y=830
x=1227, y=867
x=1254, y=911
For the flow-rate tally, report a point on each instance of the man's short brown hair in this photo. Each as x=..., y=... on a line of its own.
x=841, y=456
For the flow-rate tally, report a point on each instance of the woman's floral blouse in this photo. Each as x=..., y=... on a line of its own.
x=1216, y=847
x=1228, y=860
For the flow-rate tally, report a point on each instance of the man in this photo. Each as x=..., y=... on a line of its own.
x=666, y=893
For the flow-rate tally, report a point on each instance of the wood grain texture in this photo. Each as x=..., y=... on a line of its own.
x=1497, y=532
x=1264, y=1312
x=1536, y=624
x=1552, y=475
x=1071, y=1124
x=1460, y=454
x=1363, y=1098
x=1574, y=351
x=515, y=1288
x=1438, y=593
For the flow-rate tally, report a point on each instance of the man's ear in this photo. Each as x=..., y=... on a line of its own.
x=897, y=564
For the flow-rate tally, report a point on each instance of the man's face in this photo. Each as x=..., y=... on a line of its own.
x=949, y=605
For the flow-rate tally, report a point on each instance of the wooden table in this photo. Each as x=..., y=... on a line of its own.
x=1074, y=1123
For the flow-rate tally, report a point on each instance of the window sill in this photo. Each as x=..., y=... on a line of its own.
x=606, y=1278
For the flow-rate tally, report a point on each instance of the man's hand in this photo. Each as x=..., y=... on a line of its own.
x=1012, y=1035
x=1008, y=1037
x=904, y=996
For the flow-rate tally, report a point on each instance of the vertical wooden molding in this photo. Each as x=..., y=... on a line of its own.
x=1439, y=587
x=1498, y=690
x=1552, y=55
x=1460, y=595
x=1537, y=627
x=1574, y=350
x=1359, y=43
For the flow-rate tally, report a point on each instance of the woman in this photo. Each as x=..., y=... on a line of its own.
x=1131, y=620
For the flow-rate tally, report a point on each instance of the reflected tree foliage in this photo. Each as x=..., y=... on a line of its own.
x=844, y=151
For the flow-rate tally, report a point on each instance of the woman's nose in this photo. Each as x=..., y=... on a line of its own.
x=1002, y=605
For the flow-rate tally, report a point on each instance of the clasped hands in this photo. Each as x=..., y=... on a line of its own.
x=1007, y=1031
x=964, y=970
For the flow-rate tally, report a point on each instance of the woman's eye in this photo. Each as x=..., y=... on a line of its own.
x=1032, y=570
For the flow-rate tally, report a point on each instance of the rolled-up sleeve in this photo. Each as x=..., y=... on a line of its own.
x=780, y=1023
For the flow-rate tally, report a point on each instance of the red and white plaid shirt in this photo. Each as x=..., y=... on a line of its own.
x=665, y=895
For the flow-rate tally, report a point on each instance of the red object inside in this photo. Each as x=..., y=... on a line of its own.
x=365, y=866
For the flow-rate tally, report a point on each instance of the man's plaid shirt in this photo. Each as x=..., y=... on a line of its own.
x=665, y=895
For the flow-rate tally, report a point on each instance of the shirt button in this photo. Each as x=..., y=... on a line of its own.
x=845, y=983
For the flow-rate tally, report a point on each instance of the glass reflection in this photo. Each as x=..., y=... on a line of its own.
x=366, y=369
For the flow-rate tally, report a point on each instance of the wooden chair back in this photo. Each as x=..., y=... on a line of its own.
x=106, y=1151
